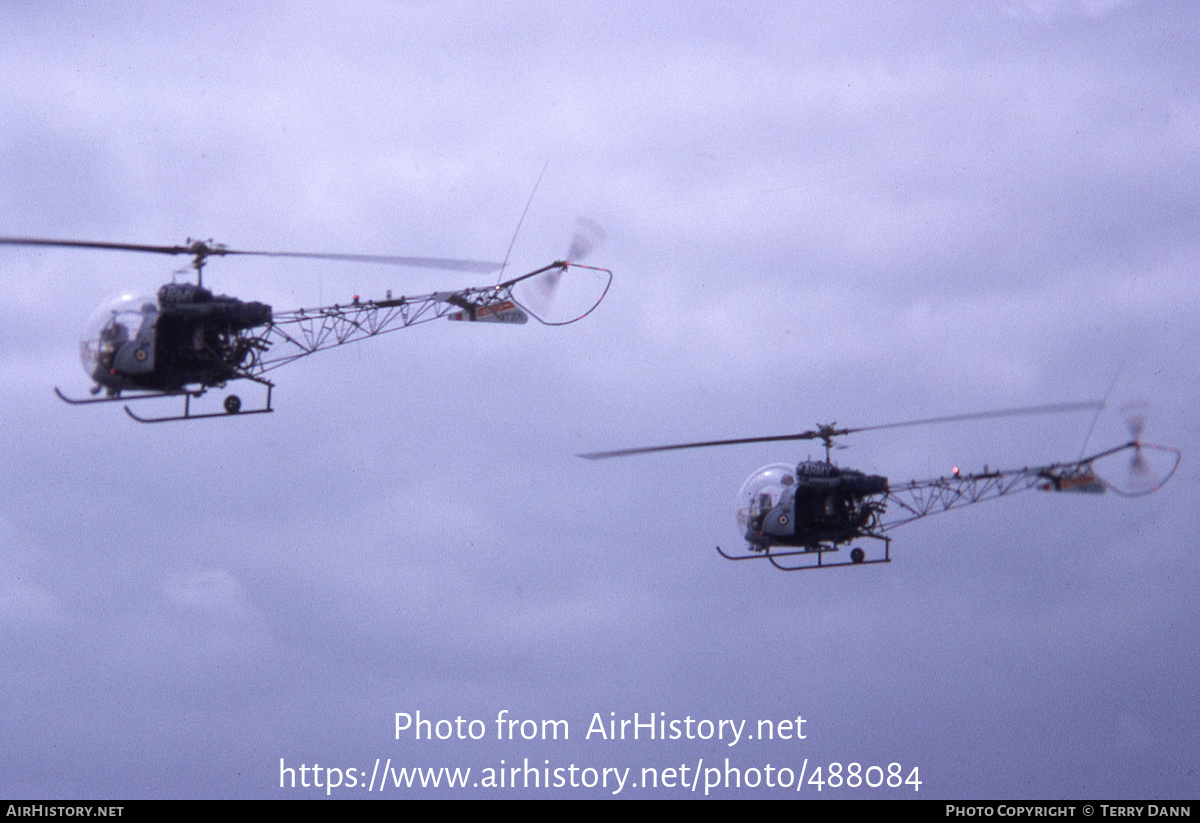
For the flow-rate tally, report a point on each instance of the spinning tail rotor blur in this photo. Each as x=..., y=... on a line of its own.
x=570, y=290
x=1150, y=465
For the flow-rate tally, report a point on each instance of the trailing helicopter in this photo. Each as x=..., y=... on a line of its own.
x=186, y=340
x=798, y=517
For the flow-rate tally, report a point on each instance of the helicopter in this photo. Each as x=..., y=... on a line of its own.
x=797, y=517
x=186, y=340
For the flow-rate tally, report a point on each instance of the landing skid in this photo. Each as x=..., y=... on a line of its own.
x=119, y=399
x=232, y=404
x=800, y=559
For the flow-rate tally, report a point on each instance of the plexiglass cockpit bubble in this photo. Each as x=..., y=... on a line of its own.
x=115, y=323
x=761, y=492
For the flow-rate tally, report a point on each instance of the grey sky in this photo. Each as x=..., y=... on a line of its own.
x=815, y=213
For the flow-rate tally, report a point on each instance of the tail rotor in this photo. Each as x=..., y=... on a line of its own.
x=1150, y=465
x=547, y=299
x=588, y=235
x=1137, y=463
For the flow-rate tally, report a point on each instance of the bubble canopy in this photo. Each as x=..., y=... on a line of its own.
x=116, y=322
x=762, y=491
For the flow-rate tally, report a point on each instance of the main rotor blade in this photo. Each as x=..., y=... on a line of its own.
x=811, y=435
x=1053, y=408
x=93, y=244
x=829, y=432
x=446, y=263
x=201, y=249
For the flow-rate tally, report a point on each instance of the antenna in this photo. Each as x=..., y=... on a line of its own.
x=528, y=202
x=1096, y=416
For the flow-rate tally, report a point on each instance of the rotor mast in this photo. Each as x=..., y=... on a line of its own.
x=200, y=250
x=826, y=433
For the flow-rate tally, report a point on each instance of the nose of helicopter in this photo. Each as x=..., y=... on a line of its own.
x=116, y=323
x=761, y=492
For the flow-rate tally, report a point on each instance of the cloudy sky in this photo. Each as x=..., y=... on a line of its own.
x=814, y=212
